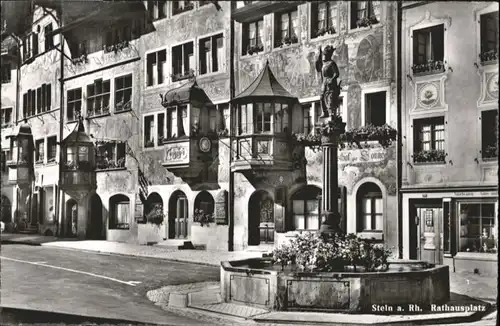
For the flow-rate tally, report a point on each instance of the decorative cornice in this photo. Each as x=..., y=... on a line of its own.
x=429, y=19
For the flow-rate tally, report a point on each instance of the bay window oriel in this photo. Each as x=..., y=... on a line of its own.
x=428, y=49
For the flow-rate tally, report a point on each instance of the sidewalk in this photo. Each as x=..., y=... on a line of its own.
x=30, y=239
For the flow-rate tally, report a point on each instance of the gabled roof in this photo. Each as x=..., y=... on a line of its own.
x=265, y=86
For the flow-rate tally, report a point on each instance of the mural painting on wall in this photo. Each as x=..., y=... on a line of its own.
x=368, y=67
x=154, y=171
x=294, y=67
x=215, y=89
x=354, y=106
x=355, y=164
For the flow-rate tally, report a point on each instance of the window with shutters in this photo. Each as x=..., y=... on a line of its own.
x=183, y=63
x=324, y=18
x=489, y=37
x=286, y=28
x=253, y=37
x=429, y=140
x=74, y=104
x=156, y=66
x=428, y=50
x=39, y=150
x=211, y=52
x=98, y=94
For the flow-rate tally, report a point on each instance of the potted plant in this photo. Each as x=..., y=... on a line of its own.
x=155, y=215
x=203, y=218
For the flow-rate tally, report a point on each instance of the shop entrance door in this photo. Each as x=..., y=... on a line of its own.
x=430, y=232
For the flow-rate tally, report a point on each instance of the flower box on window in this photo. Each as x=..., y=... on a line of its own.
x=430, y=156
x=149, y=143
x=490, y=152
x=431, y=67
x=255, y=49
x=201, y=217
x=322, y=31
x=180, y=10
x=80, y=60
x=116, y=47
x=367, y=21
x=488, y=56
x=287, y=41
x=182, y=76
x=51, y=160
x=40, y=161
x=123, y=107
x=223, y=132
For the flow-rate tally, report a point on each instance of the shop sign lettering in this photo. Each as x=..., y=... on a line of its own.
x=362, y=155
x=177, y=153
x=476, y=194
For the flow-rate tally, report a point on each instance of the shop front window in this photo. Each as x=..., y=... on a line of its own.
x=478, y=227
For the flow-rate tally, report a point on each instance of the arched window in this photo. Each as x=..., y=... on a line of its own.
x=305, y=208
x=119, y=212
x=205, y=202
x=370, y=208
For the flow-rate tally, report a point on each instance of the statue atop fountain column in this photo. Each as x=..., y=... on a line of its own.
x=330, y=91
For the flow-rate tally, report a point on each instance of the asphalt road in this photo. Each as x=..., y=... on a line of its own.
x=88, y=284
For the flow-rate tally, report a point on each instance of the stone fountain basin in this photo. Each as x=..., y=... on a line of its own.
x=256, y=282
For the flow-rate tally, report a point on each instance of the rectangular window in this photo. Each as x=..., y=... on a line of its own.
x=262, y=117
x=35, y=44
x=6, y=72
x=211, y=54
x=373, y=214
x=281, y=117
x=306, y=214
x=156, y=67
x=478, y=227
x=176, y=121
x=364, y=13
x=489, y=36
x=123, y=93
x=51, y=148
x=286, y=28
x=49, y=39
x=149, y=131
x=245, y=118
x=117, y=38
x=74, y=104
x=29, y=103
x=179, y=7
x=6, y=117
x=489, y=134
x=324, y=18
x=429, y=140
x=253, y=39
x=111, y=155
x=39, y=100
x=45, y=97
x=428, y=49
x=225, y=115
x=39, y=151
x=157, y=9
x=317, y=111
x=375, y=106
x=4, y=158
x=27, y=47
x=182, y=61
x=98, y=95
x=307, y=121
x=161, y=128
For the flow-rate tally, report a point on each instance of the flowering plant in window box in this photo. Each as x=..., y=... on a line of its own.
x=431, y=67
x=255, y=49
x=328, y=30
x=203, y=218
x=155, y=215
x=288, y=40
x=122, y=226
x=120, y=163
x=367, y=21
x=491, y=151
x=120, y=106
x=80, y=60
x=490, y=55
x=223, y=132
x=429, y=156
x=181, y=76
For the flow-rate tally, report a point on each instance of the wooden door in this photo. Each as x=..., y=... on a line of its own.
x=266, y=226
x=430, y=231
x=181, y=218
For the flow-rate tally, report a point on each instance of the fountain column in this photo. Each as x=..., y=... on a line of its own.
x=330, y=133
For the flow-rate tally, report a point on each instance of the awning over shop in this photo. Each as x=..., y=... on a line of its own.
x=184, y=94
x=265, y=86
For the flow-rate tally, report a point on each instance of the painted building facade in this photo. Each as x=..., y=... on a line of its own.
x=288, y=36
x=450, y=129
x=167, y=140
